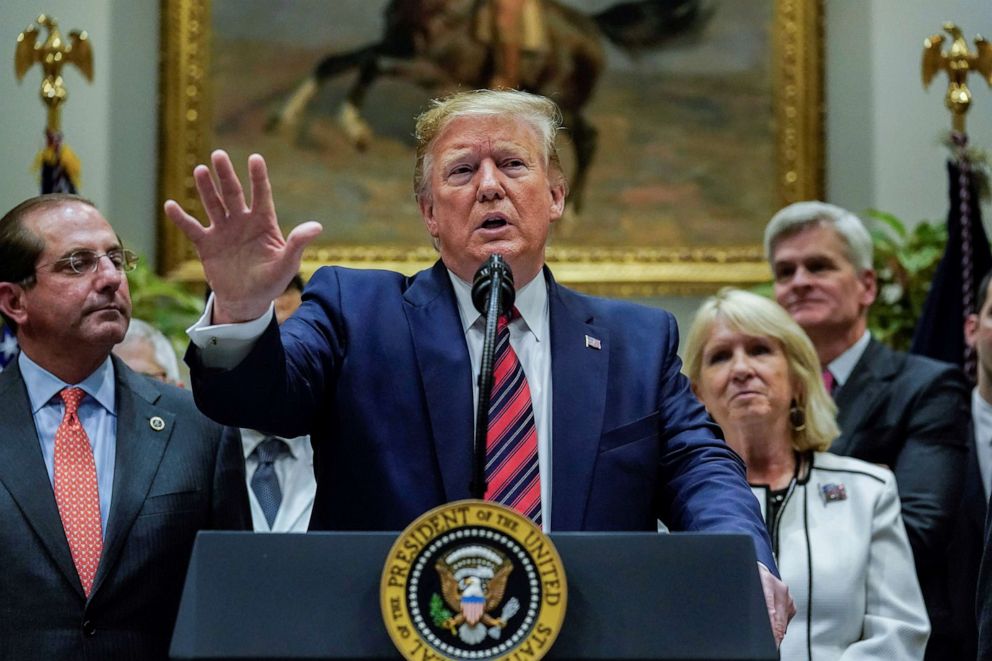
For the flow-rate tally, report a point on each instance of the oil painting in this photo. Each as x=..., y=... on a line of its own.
x=687, y=123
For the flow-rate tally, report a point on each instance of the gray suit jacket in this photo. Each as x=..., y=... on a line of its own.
x=168, y=484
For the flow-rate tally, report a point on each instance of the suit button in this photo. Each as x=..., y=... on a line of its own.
x=89, y=629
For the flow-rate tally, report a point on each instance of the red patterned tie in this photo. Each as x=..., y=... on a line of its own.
x=512, y=470
x=76, y=490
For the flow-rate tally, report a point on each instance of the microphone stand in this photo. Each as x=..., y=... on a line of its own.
x=493, y=294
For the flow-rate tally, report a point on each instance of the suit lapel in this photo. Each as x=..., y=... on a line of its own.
x=446, y=372
x=578, y=385
x=139, y=452
x=973, y=499
x=23, y=472
x=857, y=397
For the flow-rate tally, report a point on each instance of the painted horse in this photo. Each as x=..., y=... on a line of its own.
x=433, y=43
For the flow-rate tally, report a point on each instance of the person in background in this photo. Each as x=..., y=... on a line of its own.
x=906, y=412
x=834, y=521
x=985, y=596
x=147, y=351
x=279, y=470
x=106, y=476
x=379, y=367
x=964, y=551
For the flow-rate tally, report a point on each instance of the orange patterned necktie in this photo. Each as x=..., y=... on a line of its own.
x=76, y=490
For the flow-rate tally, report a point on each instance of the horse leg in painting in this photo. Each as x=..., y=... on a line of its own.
x=333, y=65
x=350, y=119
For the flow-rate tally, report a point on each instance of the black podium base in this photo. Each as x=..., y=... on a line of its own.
x=316, y=596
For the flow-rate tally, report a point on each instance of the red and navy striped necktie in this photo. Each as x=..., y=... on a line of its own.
x=512, y=470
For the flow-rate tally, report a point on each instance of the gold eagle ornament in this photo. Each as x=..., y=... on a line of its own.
x=958, y=62
x=53, y=54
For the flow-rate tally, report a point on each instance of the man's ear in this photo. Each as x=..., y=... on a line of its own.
x=970, y=329
x=426, y=205
x=12, y=302
x=559, y=192
x=870, y=283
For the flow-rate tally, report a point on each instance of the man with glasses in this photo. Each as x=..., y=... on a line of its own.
x=105, y=476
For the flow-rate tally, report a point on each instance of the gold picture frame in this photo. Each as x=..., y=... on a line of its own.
x=797, y=93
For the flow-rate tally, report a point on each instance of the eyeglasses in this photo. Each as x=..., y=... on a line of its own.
x=87, y=261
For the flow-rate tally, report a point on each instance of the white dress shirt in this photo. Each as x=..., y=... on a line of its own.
x=294, y=469
x=223, y=346
x=981, y=415
x=842, y=366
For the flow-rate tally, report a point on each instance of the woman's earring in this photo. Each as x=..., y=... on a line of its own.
x=797, y=417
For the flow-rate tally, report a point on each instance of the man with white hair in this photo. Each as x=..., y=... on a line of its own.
x=906, y=412
x=147, y=351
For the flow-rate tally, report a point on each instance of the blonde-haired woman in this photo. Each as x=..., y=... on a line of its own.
x=834, y=521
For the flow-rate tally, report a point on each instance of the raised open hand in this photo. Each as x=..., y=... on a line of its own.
x=245, y=257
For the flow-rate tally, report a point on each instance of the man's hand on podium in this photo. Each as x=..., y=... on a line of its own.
x=780, y=605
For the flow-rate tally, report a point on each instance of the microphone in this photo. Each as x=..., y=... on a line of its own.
x=493, y=277
x=492, y=294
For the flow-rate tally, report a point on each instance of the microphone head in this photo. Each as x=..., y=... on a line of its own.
x=494, y=274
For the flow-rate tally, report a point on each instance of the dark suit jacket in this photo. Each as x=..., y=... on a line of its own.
x=375, y=367
x=912, y=414
x=964, y=552
x=985, y=594
x=168, y=484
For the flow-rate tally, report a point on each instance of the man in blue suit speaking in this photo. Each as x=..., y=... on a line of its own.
x=379, y=368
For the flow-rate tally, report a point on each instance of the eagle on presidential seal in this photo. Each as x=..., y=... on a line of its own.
x=473, y=582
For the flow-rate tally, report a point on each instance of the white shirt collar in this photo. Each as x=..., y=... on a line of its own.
x=981, y=416
x=42, y=385
x=250, y=439
x=531, y=302
x=842, y=366
x=982, y=413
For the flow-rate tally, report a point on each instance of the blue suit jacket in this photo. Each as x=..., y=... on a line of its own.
x=375, y=367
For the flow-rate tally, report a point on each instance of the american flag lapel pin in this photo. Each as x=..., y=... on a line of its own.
x=832, y=492
x=593, y=343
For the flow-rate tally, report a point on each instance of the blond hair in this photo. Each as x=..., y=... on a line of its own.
x=540, y=113
x=758, y=316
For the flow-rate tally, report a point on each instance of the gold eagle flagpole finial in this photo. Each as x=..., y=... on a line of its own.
x=53, y=54
x=958, y=62
x=58, y=165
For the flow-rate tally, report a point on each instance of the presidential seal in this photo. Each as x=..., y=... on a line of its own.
x=473, y=580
